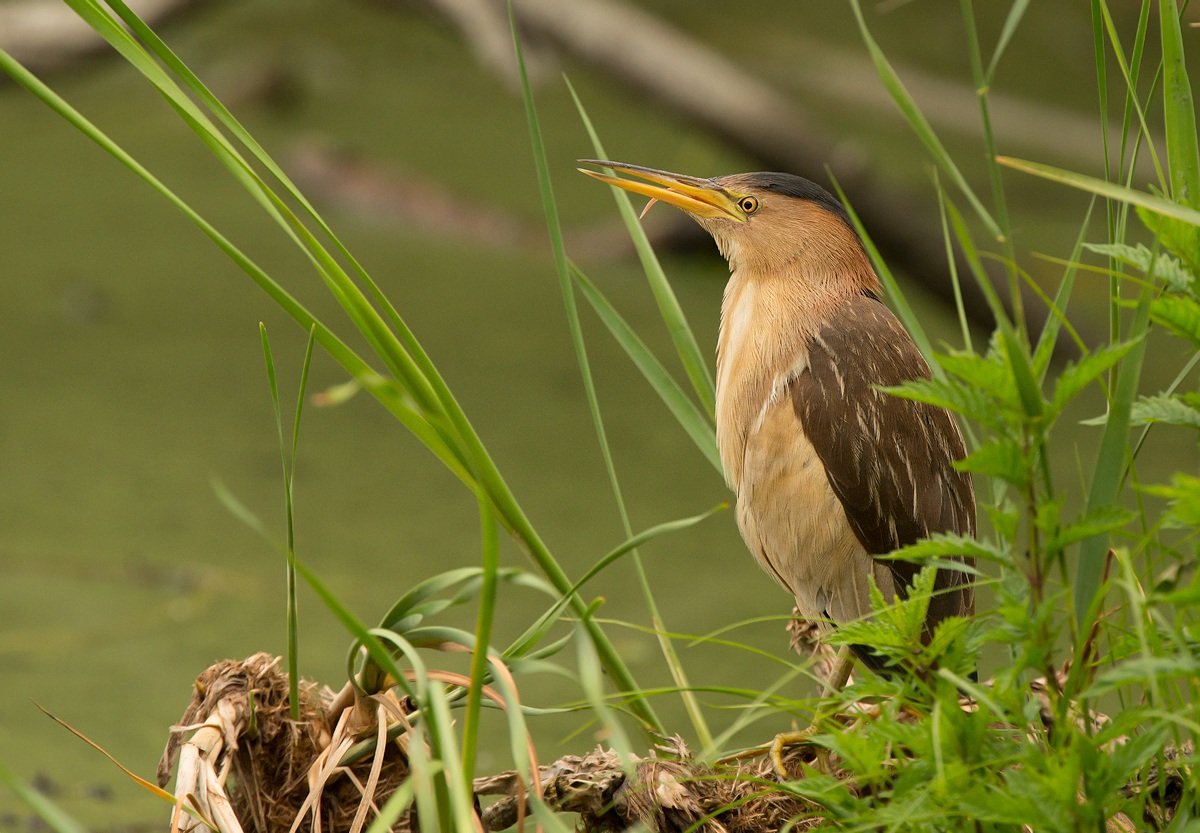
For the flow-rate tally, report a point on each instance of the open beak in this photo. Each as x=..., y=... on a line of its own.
x=702, y=197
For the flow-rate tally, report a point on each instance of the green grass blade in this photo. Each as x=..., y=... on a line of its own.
x=1110, y=190
x=293, y=608
x=1058, y=307
x=163, y=52
x=55, y=817
x=1179, y=110
x=393, y=347
x=904, y=311
x=464, y=460
x=483, y=637
x=396, y=805
x=999, y=200
x=1132, y=104
x=919, y=124
x=436, y=711
x=539, y=627
x=1011, y=21
x=689, y=417
x=567, y=288
x=695, y=364
x=591, y=680
x=292, y=627
x=1110, y=462
x=612, y=661
x=193, y=83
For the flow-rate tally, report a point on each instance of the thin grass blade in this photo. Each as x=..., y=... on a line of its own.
x=1111, y=463
x=1110, y=190
x=54, y=816
x=1015, y=12
x=1179, y=110
x=483, y=637
x=689, y=417
x=919, y=124
x=293, y=609
x=694, y=362
x=612, y=662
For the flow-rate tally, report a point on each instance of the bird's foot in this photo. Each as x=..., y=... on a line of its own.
x=775, y=748
x=802, y=737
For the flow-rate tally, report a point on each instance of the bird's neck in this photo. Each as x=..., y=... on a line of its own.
x=768, y=318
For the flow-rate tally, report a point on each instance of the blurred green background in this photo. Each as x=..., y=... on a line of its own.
x=131, y=375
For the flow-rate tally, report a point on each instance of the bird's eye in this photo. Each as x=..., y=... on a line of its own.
x=748, y=204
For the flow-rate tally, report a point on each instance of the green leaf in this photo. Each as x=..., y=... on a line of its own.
x=1109, y=471
x=986, y=373
x=1078, y=375
x=1167, y=409
x=1179, y=110
x=1015, y=13
x=1169, y=269
x=1178, y=314
x=1111, y=190
x=1021, y=365
x=685, y=411
x=1184, y=497
x=1180, y=237
x=694, y=362
x=998, y=457
x=616, y=667
x=919, y=124
x=54, y=817
x=942, y=545
x=962, y=398
x=1139, y=670
x=1096, y=521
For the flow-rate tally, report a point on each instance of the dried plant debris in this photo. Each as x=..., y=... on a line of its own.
x=246, y=765
x=667, y=791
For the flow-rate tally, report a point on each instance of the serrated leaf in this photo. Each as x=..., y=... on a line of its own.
x=1094, y=522
x=1122, y=760
x=944, y=545
x=1005, y=518
x=1167, y=409
x=987, y=373
x=1180, y=237
x=953, y=396
x=1078, y=375
x=1179, y=314
x=997, y=457
x=1141, y=669
x=1020, y=363
x=1184, y=497
x=1176, y=276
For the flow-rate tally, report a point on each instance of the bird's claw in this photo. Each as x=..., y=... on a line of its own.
x=797, y=738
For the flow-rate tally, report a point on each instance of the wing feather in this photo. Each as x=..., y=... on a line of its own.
x=888, y=460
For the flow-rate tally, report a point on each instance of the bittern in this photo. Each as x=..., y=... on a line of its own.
x=830, y=471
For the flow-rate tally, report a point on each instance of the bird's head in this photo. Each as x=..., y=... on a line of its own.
x=764, y=223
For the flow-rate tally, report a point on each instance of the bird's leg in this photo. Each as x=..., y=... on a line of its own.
x=839, y=675
x=836, y=682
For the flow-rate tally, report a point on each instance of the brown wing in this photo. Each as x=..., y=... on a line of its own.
x=887, y=459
